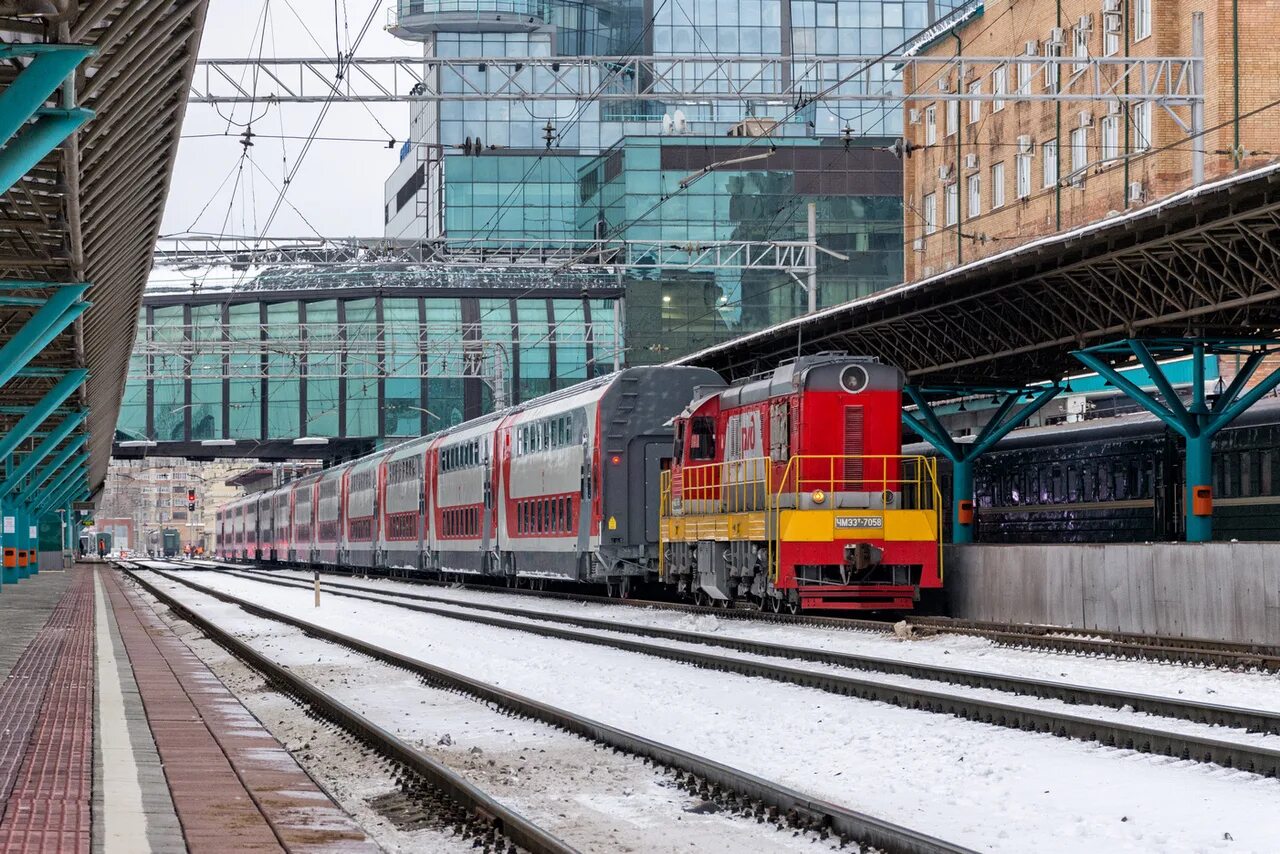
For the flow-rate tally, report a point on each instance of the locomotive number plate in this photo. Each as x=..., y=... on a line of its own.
x=859, y=522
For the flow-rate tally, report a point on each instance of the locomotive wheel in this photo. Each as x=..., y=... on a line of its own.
x=792, y=606
x=701, y=598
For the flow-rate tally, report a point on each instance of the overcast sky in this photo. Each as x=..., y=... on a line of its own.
x=338, y=189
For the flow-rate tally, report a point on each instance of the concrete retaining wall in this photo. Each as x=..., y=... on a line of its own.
x=1229, y=591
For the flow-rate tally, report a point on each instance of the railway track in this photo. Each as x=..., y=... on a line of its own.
x=1097, y=642
x=1134, y=736
x=1250, y=720
x=429, y=785
x=729, y=788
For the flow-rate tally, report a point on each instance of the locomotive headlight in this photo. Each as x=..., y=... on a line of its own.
x=818, y=496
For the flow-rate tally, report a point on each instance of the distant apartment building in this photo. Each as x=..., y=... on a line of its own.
x=143, y=497
x=987, y=176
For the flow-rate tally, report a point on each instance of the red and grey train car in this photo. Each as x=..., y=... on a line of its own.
x=787, y=490
x=556, y=488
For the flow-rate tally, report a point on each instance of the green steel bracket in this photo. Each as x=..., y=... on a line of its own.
x=49, y=67
x=33, y=459
x=962, y=457
x=27, y=142
x=60, y=497
x=1200, y=422
x=997, y=427
x=54, y=465
x=57, y=313
x=60, y=479
x=38, y=413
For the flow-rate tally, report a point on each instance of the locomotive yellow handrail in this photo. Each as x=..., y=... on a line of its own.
x=744, y=486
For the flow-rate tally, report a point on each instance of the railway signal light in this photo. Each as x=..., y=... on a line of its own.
x=191, y=495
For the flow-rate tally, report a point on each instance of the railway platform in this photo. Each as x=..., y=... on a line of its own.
x=117, y=738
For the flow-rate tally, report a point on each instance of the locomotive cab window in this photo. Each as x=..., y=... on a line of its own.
x=702, y=439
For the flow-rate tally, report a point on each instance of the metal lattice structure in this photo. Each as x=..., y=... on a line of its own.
x=1202, y=262
x=84, y=206
x=773, y=79
x=560, y=256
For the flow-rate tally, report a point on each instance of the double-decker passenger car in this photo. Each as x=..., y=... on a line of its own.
x=786, y=492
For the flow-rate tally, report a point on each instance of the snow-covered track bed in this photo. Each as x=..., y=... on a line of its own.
x=1197, y=744
x=432, y=786
x=738, y=792
x=1093, y=642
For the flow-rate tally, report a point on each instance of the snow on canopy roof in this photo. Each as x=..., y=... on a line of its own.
x=1153, y=209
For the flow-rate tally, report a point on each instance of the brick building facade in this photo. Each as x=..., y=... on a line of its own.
x=989, y=176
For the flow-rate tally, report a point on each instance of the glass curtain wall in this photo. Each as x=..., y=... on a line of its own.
x=378, y=367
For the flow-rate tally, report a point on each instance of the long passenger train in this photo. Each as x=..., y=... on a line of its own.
x=784, y=492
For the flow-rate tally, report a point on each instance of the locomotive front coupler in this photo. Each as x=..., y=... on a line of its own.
x=863, y=555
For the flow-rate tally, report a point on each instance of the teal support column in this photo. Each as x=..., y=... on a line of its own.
x=20, y=542
x=9, y=552
x=1197, y=423
x=1006, y=417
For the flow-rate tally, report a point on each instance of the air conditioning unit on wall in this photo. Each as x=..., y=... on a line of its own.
x=1137, y=192
x=971, y=161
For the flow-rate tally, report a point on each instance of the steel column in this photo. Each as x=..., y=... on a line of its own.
x=962, y=457
x=1199, y=423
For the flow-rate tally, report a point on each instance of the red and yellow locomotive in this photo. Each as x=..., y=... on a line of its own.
x=790, y=491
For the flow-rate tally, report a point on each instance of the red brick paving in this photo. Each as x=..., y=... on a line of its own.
x=234, y=786
x=46, y=718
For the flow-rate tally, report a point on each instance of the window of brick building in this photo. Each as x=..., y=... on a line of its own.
x=930, y=125
x=997, y=186
x=953, y=203
x=999, y=86
x=1049, y=162
x=975, y=195
x=1022, y=164
x=975, y=107
x=929, y=212
x=1141, y=19
x=1110, y=138
x=1079, y=155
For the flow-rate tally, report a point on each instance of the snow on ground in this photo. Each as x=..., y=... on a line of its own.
x=1124, y=716
x=989, y=788
x=1208, y=685
x=580, y=791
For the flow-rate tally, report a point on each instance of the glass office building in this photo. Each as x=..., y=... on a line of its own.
x=582, y=168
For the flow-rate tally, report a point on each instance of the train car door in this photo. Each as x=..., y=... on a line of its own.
x=646, y=468
x=486, y=472
x=585, y=493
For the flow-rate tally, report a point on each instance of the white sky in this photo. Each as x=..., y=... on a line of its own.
x=339, y=186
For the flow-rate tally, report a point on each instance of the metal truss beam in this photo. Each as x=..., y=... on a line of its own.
x=548, y=257
x=700, y=79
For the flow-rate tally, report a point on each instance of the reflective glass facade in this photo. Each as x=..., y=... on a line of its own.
x=583, y=169
x=272, y=367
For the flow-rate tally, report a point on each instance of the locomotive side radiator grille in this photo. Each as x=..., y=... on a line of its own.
x=853, y=470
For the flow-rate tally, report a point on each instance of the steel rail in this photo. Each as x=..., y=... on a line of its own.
x=1102, y=642
x=714, y=779
x=1253, y=720
x=495, y=818
x=1143, y=739
x=1099, y=642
